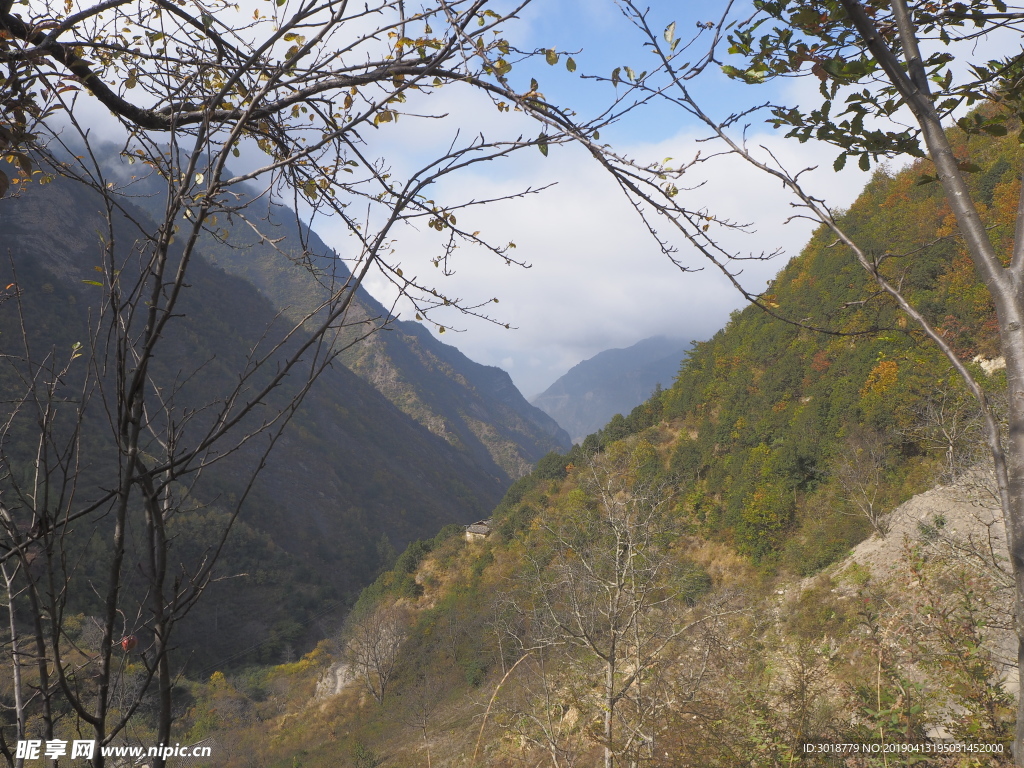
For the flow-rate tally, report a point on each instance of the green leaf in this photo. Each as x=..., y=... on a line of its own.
x=924, y=179
x=542, y=145
x=839, y=163
x=670, y=32
x=865, y=162
x=615, y=75
x=534, y=85
x=93, y=282
x=551, y=57
x=5, y=183
x=570, y=64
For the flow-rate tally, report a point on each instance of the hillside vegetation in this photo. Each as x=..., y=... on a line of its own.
x=667, y=594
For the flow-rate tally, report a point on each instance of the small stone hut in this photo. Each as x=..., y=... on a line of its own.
x=478, y=531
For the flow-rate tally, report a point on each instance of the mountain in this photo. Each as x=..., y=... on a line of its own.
x=614, y=381
x=475, y=408
x=352, y=477
x=736, y=496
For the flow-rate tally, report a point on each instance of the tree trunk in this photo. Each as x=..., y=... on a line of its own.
x=19, y=703
x=609, y=712
x=1013, y=503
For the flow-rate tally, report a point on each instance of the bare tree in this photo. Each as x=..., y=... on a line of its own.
x=373, y=645
x=610, y=595
x=860, y=472
x=950, y=424
x=420, y=703
x=543, y=713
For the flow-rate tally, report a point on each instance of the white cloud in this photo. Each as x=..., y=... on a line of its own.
x=597, y=279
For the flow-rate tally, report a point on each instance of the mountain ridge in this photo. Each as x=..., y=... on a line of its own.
x=613, y=381
x=350, y=471
x=475, y=408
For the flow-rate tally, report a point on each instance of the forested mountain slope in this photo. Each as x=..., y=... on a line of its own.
x=475, y=408
x=780, y=446
x=784, y=427
x=351, y=472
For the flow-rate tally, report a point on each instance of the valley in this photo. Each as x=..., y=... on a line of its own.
x=794, y=577
x=254, y=513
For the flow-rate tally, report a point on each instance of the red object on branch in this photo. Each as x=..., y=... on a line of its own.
x=128, y=642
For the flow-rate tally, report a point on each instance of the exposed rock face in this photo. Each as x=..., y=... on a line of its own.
x=475, y=408
x=990, y=365
x=965, y=513
x=333, y=681
x=961, y=523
